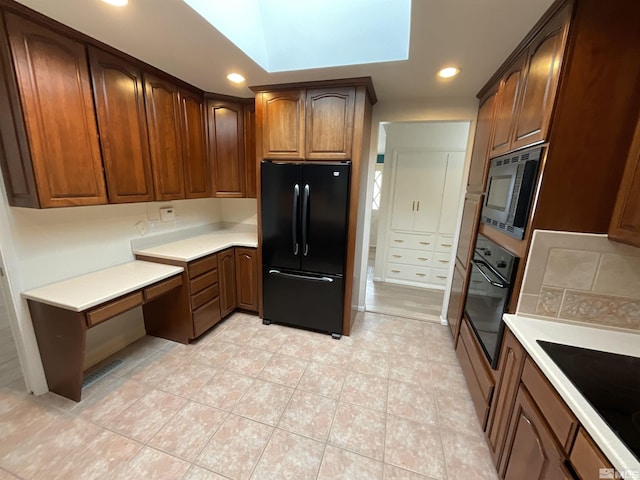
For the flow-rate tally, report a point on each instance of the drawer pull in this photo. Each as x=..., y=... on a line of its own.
x=443, y=261
x=399, y=241
x=396, y=256
x=425, y=243
x=441, y=276
x=421, y=274
x=395, y=271
x=445, y=244
x=423, y=259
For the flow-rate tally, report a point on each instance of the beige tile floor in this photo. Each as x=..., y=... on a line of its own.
x=260, y=402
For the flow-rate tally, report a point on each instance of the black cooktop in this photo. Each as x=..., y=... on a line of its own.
x=611, y=384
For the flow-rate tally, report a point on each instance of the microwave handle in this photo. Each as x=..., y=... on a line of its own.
x=486, y=277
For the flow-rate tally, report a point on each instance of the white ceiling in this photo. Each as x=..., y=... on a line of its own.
x=475, y=35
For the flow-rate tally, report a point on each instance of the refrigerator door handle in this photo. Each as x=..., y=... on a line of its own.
x=305, y=221
x=305, y=277
x=294, y=215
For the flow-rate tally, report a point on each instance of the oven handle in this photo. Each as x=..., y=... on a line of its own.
x=486, y=277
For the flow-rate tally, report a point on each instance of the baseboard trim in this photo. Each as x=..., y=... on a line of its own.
x=443, y=321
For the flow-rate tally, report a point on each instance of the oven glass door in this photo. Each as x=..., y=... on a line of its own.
x=486, y=302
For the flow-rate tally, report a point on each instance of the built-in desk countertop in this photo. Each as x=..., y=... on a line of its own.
x=63, y=311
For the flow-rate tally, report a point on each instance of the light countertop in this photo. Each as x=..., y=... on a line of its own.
x=91, y=289
x=192, y=248
x=527, y=330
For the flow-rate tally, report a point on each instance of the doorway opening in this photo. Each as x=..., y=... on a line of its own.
x=416, y=190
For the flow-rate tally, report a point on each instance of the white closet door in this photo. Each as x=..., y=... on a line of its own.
x=408, y=167
x=451, y=195
x=431, y=180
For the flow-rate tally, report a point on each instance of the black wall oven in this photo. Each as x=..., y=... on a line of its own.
x=492, y=272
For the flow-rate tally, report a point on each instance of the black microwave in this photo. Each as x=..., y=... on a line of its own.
x=510, y=188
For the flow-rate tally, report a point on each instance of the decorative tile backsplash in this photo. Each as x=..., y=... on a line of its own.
x=582, y=277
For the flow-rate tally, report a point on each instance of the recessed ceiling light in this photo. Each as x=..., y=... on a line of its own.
x=235, y=77
x=117, y=3
x=448, y=72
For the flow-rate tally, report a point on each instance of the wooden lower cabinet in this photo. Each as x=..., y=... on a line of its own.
x=532, y=452
x=247, y=279
x=586, y=458
x=456, y=300
x=227, y=269
x=512, y=357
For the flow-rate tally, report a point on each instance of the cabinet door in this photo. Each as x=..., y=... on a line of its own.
x=329, y=123
x=468, y=229
x=226, y=148
x=625, y=222
x=251, y=160
x=55, y=90
x=476, y=182
x=227, y=280
x=163, y=118
x=507, y=101
x=512, y=357
x=407, y=167
x=456, y=301
x=119, y=96
x=429, y=193
x=194, y=144
x=531, y=450
x=540, y=83
x=283, y=124
x=451, y=194
x=247, y=279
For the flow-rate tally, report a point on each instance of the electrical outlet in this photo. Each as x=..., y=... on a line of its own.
x=167, y=214
x=154, y=225
x=142, y=227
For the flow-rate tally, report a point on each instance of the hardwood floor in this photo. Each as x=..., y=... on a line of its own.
x=398, y=300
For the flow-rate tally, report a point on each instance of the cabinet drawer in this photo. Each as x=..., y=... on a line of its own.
x=478, y=380
x=408, y=272
x=479, y=363
x=558, y=416
x=203, y=265
x=206, y=316
x=110, y=310
x=444, y=243
x=586, y=458
x=410, y=257
x=161, y=288
x=204, y=296
x=423, y=241
x=441, y=260
x=203, y=281
x=439, y=276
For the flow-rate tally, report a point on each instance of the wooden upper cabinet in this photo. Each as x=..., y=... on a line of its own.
x=251, y=160
x=226, y=148
x=329, y=123
x=506, y=104
x=625, y=221
x=476, y=183
x=163, y=118
x=540, y=82
x=119, y=98
x=55, y=93
x=283, y=124
x=194, y=144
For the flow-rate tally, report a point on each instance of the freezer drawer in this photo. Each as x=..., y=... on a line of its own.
x=301, y=299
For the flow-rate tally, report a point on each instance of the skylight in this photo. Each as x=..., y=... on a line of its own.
x=285, y=35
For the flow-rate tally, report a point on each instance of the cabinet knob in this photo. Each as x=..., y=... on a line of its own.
x=425, y=243
x=441, y=276
x=443, y=261
x=395, y=271
x=445, y=244
x=399, y=241
x=421, y=274
x=422, y=259
x=396, y=256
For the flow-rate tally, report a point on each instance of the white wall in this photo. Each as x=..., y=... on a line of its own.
x=434, y=109
x=239, y=210
x=44, y=246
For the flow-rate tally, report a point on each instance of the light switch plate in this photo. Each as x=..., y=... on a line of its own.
x=167, y=214
x=142, y=227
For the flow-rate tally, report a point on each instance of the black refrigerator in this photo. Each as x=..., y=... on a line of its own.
x=304, y=214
